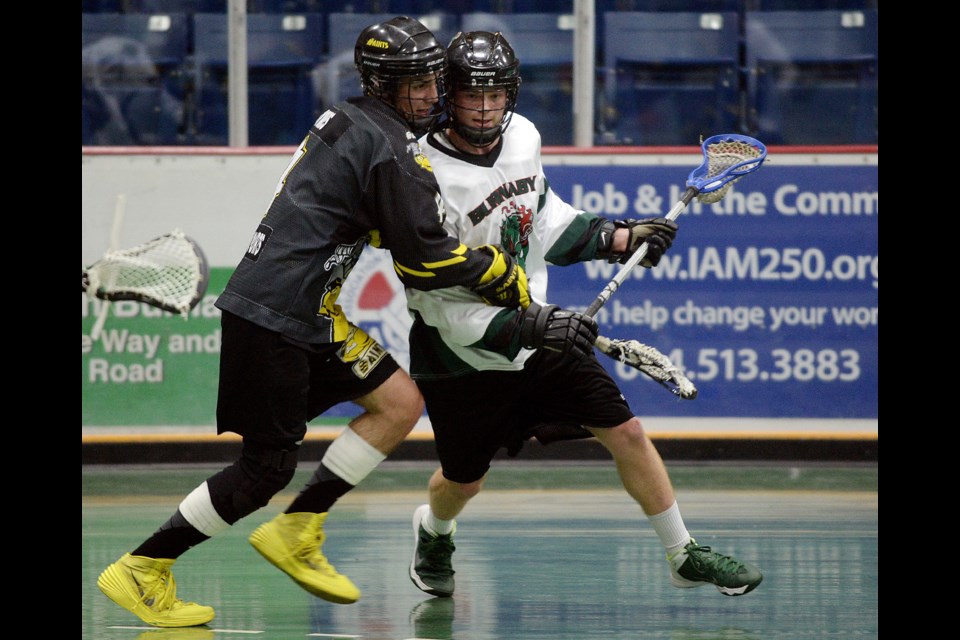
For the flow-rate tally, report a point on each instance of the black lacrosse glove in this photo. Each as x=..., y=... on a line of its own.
x=550, y=327
x=658, y=233
x=505, y=282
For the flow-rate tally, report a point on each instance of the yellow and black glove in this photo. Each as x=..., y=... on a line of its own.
x=505, y=283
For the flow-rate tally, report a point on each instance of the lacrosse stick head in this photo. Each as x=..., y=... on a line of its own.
x=726, y=158
x=651, y=361
x=169, y=272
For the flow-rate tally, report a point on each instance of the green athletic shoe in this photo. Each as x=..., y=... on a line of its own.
x=293, y=543
x=695, y=566
x=146, y=588
x=431, y=569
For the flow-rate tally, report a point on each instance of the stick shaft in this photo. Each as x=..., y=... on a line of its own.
x=118, y=213
x=637, y=256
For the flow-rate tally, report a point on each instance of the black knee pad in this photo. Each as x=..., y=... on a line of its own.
x=250, y=482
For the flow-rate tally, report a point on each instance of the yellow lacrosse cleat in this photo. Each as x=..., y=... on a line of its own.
x=292, y=542
x=145, y=587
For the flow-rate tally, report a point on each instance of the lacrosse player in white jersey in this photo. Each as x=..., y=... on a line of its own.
x=494, y=377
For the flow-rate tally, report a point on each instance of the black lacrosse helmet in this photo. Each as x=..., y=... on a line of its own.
x=395, y=50
x=481, y=59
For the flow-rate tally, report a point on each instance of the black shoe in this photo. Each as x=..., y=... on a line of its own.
x=431, y=568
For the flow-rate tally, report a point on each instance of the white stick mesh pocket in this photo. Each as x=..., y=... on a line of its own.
x=169, y=272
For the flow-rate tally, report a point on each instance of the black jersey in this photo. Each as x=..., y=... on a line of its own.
x=358, y=178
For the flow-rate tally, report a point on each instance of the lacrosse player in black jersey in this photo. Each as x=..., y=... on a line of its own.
x=289, y=354
x=488, y=388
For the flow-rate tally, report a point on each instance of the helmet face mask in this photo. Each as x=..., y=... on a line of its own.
x=478, y=114
x=402, y=64
x=485, y=80
x=416, y=99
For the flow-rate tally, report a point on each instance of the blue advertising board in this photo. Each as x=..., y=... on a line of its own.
x=769, y=299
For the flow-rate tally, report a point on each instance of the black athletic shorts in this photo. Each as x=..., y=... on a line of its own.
x=270, y=388
x=476, y=414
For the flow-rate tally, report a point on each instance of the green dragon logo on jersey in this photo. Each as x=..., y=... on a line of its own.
x=515, y=229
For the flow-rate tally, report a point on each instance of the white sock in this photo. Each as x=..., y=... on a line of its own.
x=351, y=457
x=433, y=524
x=670, y=528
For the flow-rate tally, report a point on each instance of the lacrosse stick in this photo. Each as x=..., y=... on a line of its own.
x=118, y=212
x=650, y=361
x=169, y=272
x=726, y=159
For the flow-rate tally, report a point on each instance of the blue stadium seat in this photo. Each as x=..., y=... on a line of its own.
x=101, y=6
x=456, y=7
x=810, y=5
x=670, y=77
x=134, y=78
x=188, y=7
x=521, y=6
x=544, y=44
x=697, y=6
x=393, y=7
x=813, y=76
x=689, y=6
x=282, y=52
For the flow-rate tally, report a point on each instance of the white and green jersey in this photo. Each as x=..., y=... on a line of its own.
x=502, y=199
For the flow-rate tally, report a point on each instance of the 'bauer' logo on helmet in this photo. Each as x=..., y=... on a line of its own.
x=482, y=60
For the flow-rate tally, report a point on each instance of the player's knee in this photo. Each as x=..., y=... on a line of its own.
x=412, y=414
x=464, y=490
x=252, y=481
x=406, y=408
x=628, y=435
x=471, y=489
